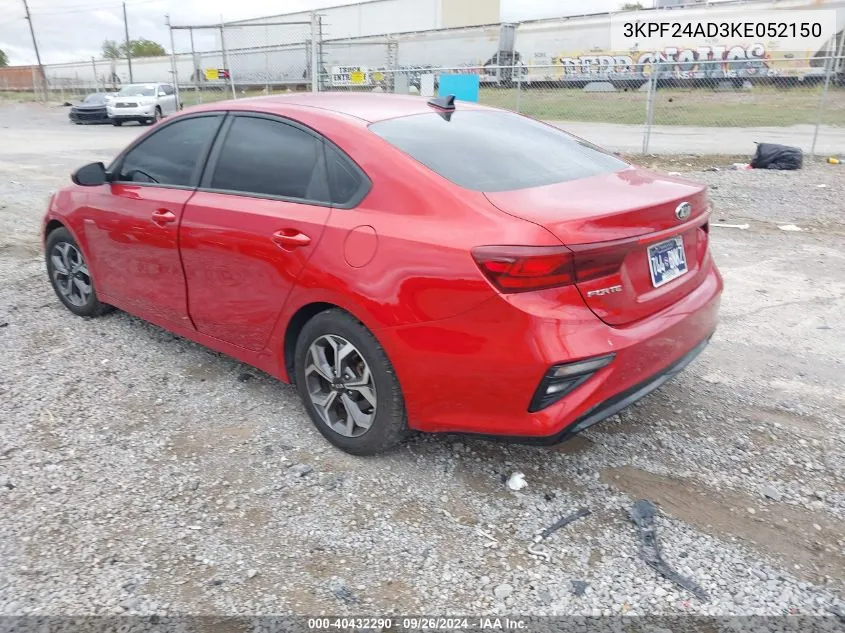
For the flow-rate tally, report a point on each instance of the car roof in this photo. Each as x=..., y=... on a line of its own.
x=366, y=106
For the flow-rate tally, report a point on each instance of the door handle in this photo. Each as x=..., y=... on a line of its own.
x=163, y=216
x=289, y=239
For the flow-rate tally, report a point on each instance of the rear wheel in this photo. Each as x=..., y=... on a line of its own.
x=116, y=122
x=70, y=276
x=348, y=385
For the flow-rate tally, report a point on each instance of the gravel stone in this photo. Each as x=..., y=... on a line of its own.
x=770, y=492
x=300, y=470
x=579, y=588
x=503, y=591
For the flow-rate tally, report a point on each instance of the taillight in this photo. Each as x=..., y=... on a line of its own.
x=596, y=263
x=525, y=268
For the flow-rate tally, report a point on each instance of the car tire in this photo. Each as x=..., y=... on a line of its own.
x=116, y=122
x=69, y=275
x=366, y=390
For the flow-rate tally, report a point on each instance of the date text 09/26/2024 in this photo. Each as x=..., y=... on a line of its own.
x=417, y=623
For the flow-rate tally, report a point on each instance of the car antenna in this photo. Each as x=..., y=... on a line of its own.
x=444, y=103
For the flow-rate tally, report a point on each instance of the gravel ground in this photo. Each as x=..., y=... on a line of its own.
x=141, y=473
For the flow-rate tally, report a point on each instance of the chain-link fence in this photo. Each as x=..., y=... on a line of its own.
x=711, y=100
x=213, y=62
x=659, y=108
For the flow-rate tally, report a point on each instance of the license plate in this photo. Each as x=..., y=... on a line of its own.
x=667, y=261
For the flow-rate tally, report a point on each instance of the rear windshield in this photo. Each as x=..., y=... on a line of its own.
x=494, y=150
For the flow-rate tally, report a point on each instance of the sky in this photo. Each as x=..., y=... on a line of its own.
x=73, y=30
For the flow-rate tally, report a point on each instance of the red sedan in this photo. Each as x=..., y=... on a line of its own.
x=408, y=264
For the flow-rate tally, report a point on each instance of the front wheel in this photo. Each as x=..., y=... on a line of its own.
x=70, y=276
x=116, y=123
x=348, y=385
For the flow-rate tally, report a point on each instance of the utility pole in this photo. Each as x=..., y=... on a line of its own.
x=128, y=51
x=35, y=46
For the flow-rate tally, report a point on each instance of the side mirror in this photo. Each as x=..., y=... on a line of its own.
x=91, y=175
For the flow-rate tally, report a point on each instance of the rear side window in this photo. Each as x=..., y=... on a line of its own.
x=170, y=156
x=348, y=184
x=269, y=158
x=495, y=151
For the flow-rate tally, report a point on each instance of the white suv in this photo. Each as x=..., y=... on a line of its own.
x=145, y=103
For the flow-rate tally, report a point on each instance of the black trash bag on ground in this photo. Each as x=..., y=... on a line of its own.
x=774, y=156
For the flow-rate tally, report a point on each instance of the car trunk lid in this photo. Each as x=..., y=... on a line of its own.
x=639, y=239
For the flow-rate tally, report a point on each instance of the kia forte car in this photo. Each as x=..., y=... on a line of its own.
x=408, y=264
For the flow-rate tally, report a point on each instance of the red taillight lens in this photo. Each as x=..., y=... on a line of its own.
x=599, y=263
x=525, y=268
x=594, y=261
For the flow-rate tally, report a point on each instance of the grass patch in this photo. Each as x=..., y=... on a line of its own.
x=762, y=106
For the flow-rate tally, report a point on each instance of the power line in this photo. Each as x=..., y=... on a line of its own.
x=93, y=7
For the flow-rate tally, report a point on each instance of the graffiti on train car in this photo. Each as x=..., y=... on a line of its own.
x=746, y=61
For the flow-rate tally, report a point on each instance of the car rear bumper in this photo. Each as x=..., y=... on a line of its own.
x=614, y=404
x=477, y=373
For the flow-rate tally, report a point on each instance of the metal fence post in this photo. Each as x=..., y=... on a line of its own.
x=649, y=106
x=196, y=69
x=173, y=70
x=828, y=67
x=226, y=59
x=315, y=58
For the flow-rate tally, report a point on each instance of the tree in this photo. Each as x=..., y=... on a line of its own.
x=112, y=50
x=4, y=59
x=137, y=48
x=632, y=6
x=145, y=48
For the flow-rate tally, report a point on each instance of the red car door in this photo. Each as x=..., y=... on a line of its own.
x=248, y=232
x=131, y=225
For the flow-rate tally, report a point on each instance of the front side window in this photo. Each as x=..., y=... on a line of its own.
x=170, y=156
x=489, y=150
x=270, y=158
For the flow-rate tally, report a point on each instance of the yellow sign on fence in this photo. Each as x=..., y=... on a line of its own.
x=212, y=74
x=357, y=77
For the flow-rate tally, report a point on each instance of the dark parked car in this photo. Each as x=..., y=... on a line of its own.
x=92, y=109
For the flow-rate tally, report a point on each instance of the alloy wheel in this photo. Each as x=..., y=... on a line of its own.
x=340, y=385
x=70, y=274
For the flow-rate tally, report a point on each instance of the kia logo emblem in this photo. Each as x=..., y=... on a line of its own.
x=683, y=211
